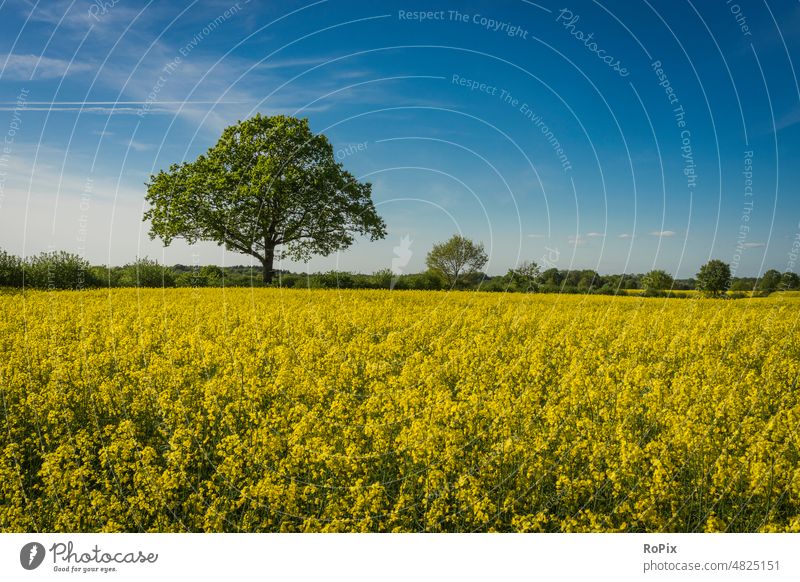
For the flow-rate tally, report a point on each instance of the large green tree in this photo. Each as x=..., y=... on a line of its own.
x=456, y=258
x=268, y=186
x=714, y=277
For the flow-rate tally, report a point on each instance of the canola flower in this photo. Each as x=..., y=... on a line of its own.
x=297, y=410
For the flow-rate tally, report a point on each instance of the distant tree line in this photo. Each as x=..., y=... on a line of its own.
x=462, y=270
x=272, y=189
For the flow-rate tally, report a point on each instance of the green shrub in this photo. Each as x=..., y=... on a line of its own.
x=426, y=280
x=498, y=285
x=331, y=280
x=10, y=270
x=290, y=280
x=649, y=292
x=145, y=272
x=106, y=276
x=58, y=270
x=383, y=279
x=609, y=290
x=191, y=279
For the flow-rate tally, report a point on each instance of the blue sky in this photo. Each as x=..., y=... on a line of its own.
x=618, y=136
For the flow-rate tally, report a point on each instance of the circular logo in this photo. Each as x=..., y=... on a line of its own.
x=31, y=555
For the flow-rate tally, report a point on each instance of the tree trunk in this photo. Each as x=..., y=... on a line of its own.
x=267, y=263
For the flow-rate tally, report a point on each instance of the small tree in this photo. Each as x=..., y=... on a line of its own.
x=145, y=272
x=457, y=257
x=385, y=279
x=789, y=281
x=552, y=277
x=523, y=277
x=714, y=278
x=268, y=183
x=589, y=279
x=770, y=281
x=657, y=280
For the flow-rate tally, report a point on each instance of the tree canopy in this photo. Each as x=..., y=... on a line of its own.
x=657, y=280
x=523, y=276
x=714, y=277
x=456, y=258
x=269, y=185
x=770, y=281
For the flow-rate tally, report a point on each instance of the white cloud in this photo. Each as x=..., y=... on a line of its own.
x=595, y=234
x=576, y=241
x=23, y=67
x=625, y=235
x=52, y=204
x=139, y=146
x=303, y=62
x=203, y=92
x=78, y=16
x=662, y=233
x=753, y=245
x=537, y=235
x=789, y=119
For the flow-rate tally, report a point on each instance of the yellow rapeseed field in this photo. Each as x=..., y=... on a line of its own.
x=298, y=410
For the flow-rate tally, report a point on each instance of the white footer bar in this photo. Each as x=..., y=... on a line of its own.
x=406, y=557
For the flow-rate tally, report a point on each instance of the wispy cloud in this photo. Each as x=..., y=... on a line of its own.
x=576, y=241
x=24, y=67
x=753, y=245
x=204, y=93
x=595, y=234
x=139, y=146
x=536, y=235
x=296, y=63
x=789, y=119
x=81, y=14
x=662, y=233
x=117, y=107
x=625, y=235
